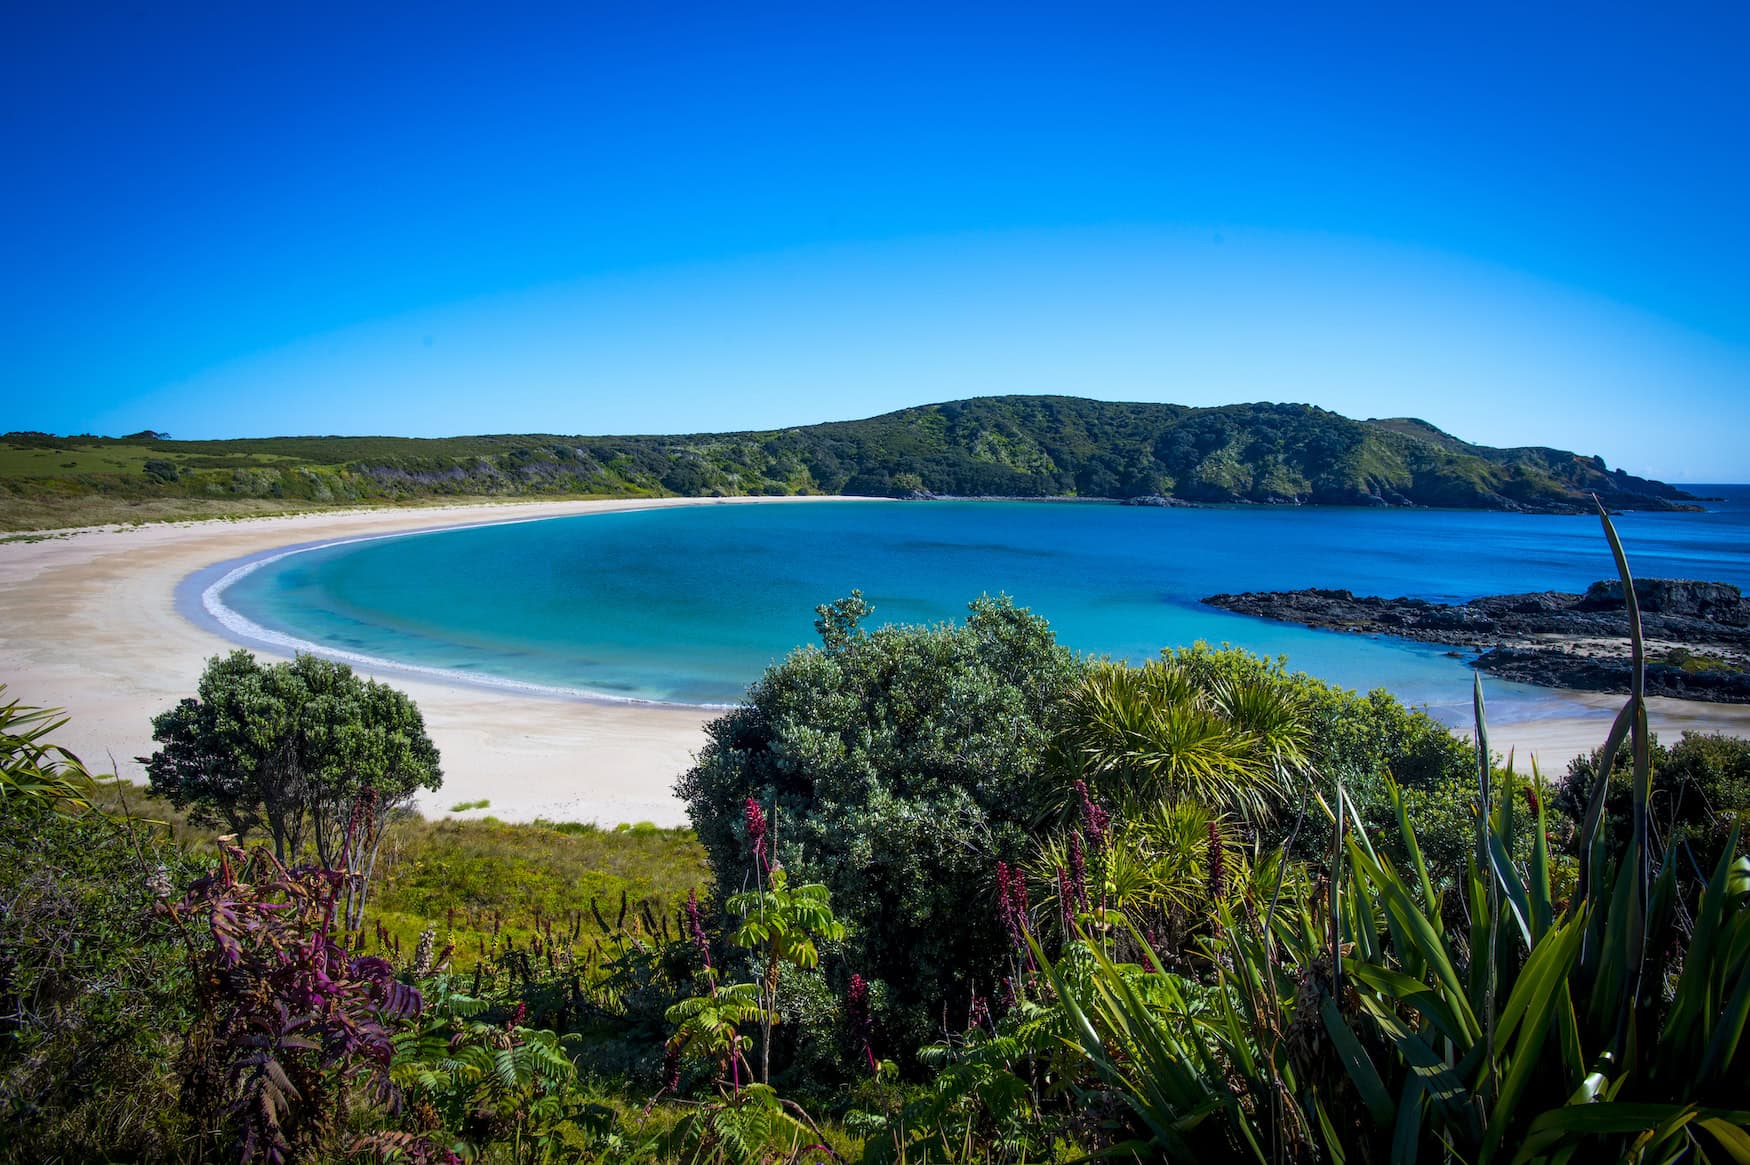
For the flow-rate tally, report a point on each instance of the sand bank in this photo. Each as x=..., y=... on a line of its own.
x=90, y=622
x=1554, y=741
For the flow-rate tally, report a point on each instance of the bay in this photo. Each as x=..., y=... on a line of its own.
x=689, y=604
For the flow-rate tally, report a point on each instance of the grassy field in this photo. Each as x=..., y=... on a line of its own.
x=74, y=459
x=477, y=880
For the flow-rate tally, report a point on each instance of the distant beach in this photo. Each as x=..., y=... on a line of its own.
x=92, y=622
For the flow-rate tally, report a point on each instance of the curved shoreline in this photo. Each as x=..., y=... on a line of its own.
x=92, y=623
x=200, y=597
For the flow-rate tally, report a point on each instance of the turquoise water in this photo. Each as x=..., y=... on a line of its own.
x=690, y=604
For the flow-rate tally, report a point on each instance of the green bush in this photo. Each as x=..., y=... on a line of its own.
x=903, y=764
x=93, y=989
x=1701, y=788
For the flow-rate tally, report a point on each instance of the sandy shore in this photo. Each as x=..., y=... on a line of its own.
x=89, y=622
x=1554, y=741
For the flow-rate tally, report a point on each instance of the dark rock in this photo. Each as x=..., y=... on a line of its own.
x=1533, y=638
x=1714, y=601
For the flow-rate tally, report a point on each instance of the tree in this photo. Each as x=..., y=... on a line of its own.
x=306, y=749
x=905, y=763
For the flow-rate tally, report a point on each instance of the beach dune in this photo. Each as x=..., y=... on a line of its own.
x=89, y=622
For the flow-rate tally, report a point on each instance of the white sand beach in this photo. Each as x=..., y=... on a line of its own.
x=89, y=623
x=1553, y=741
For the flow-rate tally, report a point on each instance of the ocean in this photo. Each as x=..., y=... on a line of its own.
x=690, y=604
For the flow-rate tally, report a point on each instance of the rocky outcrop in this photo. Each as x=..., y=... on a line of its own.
x=1697, y=633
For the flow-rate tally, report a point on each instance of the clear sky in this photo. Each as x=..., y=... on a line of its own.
x=1527, y=224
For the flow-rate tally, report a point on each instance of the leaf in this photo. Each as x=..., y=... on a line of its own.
x=1356, y=1062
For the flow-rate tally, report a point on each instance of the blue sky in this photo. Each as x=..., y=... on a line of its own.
x=1525, y=224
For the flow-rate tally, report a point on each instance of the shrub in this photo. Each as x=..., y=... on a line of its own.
x=902, y=765
x=1701, y=788
x=92, y=990
x=159, y=470
x=289, y=1029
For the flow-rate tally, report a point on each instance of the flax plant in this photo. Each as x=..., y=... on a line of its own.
x=1363, y=1023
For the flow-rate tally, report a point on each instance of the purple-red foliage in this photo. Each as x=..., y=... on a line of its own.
x=1094, y=819
x=287, y=1022
x=1012, y=908
x=696, y=926
x=1012, y=916
x=977, y=1012
x=862, y=1020
x=756, y=831
x=1217, y=864
x=1078, y=869
x=671, y=1067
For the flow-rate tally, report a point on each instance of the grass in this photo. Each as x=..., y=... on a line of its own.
x=477, y=880
x=465, y=806
x=74, y=458
x=1695, y=662
x=70, y=511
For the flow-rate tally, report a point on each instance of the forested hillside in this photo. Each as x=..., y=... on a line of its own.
x=1008, y=446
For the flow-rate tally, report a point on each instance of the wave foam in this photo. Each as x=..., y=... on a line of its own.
x=246, y=630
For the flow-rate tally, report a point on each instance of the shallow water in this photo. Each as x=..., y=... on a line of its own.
x=689, y=604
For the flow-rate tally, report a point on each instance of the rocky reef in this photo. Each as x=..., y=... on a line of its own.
x=1697, y=633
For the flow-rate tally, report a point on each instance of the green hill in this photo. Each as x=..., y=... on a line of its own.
x=1006, y=446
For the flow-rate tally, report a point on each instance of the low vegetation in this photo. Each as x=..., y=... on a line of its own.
x=1009, y=446
x=954, y=895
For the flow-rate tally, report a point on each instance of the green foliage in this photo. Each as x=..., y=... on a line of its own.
x=479, y=879
x=783, y=923
x=708, y=1027
x=902, y=765
x=1005, y=446
x=32, y=768
x=1166, y=732
x=1700, y=792
x=294, y=747
x=1352, y=736
x=1360, y=740
x=779, y=927
x=471, y=1084
x=751, y=1126
x=94, y=994
x=1368, y=1023
x=1168, y=870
